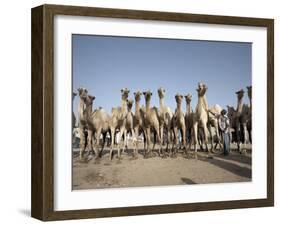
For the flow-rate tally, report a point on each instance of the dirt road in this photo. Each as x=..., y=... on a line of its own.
x=157, y=171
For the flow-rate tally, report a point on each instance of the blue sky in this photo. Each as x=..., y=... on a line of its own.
x=106, y=64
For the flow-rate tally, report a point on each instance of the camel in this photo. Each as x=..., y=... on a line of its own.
x=166, y=115
x=179, y=125
x=239, y=120
x=249, y=121
x=213, y=114
x=189, y=119
x=129, y=126
x=151, y=123
x=201, y=117
x=118, y=121
x=98, y=122
x=73, y=115
x=139, y=119
x=82, y=123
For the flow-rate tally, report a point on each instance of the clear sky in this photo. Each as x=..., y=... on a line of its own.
x=106, y=64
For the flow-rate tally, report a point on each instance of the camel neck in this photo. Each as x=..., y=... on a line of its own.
x=137, y=106
x=124, y=104
x=239, y=105
x=81, y=108
x=250, y=102
x=178, y=106
x=188, y=108
x=161, y=102
x=88, y=111
x=147, y=104
x=203, y=102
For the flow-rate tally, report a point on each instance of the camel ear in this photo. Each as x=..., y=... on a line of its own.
x=122, y=90
x=74, y=94
x=134, y=93
x=181, y=96
x=79, y=90
x=144, y=93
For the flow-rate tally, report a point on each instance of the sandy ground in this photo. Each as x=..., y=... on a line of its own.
x=156, y=171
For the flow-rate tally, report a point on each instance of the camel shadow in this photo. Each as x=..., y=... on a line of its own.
x=238, y=158
x=187, y=180
x=231, y=167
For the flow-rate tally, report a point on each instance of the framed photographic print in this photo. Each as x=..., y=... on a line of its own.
x=142, y=112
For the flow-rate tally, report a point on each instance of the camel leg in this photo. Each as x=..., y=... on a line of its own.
x=136, y=134
x=154, y=140
x=103, y=143
x=174, y=151
x=159, y=140
x=238, y=137
x=184, y=139
x=147, y=153
x=112, y=143
x=82, y=143
x=218, y=135
x=167, y=142
x=246, y=139
x=90, y=142
x=98, y=134
x=195, y=138
x=122, y=130
x=206, y=138
x=135, y=153
x=211, y=136
x=125, y=141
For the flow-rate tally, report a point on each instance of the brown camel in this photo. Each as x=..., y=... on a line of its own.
x=82, y=123
x=249, y=121
x=118, y=121
x=98, y=122
x=139, y=119
x=151, y=124
x=166, y=115
x=213, y=114
x=189, y=119
x=179, y=125
x=129, y=126
x=240, y=120
x=201, y=117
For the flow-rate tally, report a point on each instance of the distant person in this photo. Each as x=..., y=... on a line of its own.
x=224, y=128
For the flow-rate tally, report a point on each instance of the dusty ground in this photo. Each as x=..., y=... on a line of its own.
x=130, y=172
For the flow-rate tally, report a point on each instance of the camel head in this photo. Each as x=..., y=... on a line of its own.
x=147, y=95
x=240, y=94
x=249, y=89
x=89, y=100
x=125, y=93
x=137, y=95
x=130, y=104
x=161, y=92
x=83, y=93
x=178, y=98
x=202, y=88
x=188, y=98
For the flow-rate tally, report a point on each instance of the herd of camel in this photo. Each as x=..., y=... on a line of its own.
x=171, y=131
